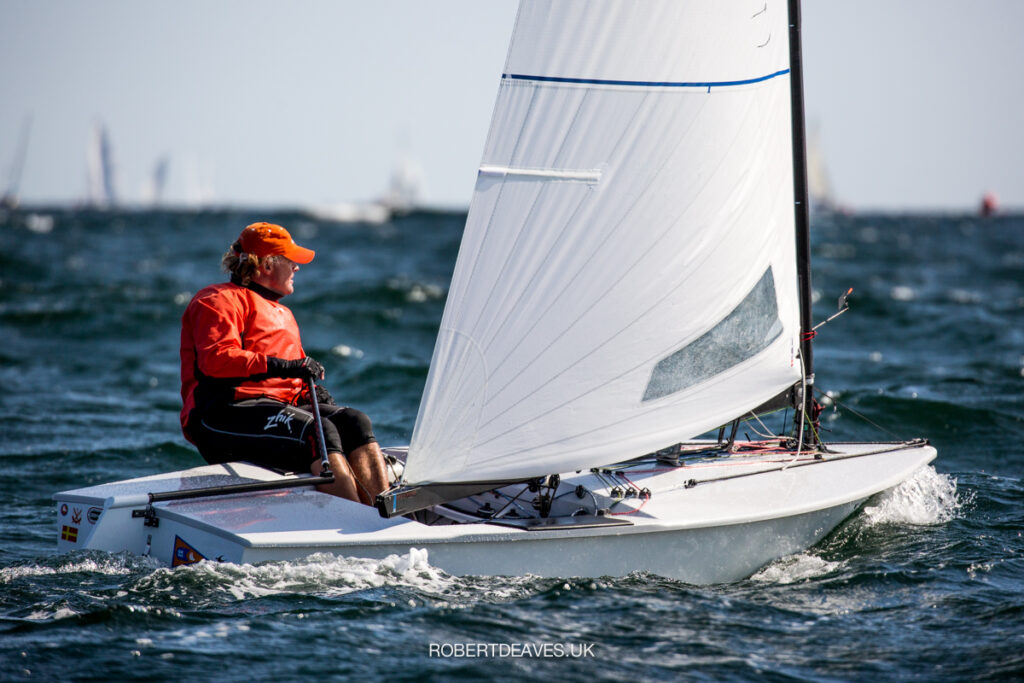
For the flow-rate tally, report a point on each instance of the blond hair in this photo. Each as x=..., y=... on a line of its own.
x=243, y=267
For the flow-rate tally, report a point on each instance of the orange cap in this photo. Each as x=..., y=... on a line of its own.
x=265, y=239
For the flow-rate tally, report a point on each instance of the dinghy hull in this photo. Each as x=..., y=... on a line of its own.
x=707, y=520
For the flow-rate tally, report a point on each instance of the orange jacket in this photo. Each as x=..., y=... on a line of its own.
x=227, y=333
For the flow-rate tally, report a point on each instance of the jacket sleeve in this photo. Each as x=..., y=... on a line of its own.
x=217, y=327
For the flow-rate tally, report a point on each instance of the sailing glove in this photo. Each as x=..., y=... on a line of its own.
x=303, y=368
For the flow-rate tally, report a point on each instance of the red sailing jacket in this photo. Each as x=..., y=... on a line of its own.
x=227, y=332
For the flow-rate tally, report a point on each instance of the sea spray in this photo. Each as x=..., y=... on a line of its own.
x=926, y=498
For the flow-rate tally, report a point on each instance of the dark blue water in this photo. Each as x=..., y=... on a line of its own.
x=926, y=583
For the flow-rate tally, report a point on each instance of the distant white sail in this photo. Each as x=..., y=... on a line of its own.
x=101, y=180
x=405, y=189
x=627, y=275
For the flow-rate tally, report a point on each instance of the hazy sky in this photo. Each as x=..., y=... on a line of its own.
x=917, y=103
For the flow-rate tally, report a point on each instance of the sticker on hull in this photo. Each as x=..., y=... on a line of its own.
x=184, y=553
x=69, y=534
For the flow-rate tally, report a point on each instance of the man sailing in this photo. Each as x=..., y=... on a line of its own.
x=244, y=375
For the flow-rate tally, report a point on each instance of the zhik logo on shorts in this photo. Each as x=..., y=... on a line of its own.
x=282, y=418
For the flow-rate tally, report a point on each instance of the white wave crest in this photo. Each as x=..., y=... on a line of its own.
x=794, y=568
x=926, y=498
x=111, y=565
x=322, y=573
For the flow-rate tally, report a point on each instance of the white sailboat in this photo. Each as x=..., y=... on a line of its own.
x=100, y=176
x=633, y=273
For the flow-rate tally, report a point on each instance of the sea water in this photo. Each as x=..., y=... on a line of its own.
x=925, y=582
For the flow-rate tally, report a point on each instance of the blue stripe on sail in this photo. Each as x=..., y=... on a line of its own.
x=645, y=84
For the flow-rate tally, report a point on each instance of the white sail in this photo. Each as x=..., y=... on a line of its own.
x=627, y=275
x=100, y=176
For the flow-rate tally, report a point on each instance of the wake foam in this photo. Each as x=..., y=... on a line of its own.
x=319, y=574
x=794, y=568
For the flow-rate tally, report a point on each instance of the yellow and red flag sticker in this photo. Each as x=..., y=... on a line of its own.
x=69, y=533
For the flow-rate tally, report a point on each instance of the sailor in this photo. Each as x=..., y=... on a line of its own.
x=244, y=374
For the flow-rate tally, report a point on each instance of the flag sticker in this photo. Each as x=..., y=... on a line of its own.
x=184, y=553
x=69, y=533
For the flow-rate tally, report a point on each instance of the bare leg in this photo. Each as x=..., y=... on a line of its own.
x=344, y=485
x=368, y=467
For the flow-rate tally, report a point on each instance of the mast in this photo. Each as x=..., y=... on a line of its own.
x=800, y=206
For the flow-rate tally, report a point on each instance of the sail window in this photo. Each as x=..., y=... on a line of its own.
x=749, y=329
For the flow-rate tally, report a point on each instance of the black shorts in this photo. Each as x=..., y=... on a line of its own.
x=275, y=434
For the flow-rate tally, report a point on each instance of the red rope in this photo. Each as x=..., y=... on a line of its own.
x=633, y=512
x=639, y=495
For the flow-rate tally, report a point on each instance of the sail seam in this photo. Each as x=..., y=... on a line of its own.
x=644, y=84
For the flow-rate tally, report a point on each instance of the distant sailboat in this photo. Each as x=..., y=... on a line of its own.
x=100, y=178
x=403, y=195
x=154, y=192
x=633, y=273
x=405, y=189
x=11, y=198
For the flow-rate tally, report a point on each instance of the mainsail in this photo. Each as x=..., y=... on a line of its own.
x=627, y=276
